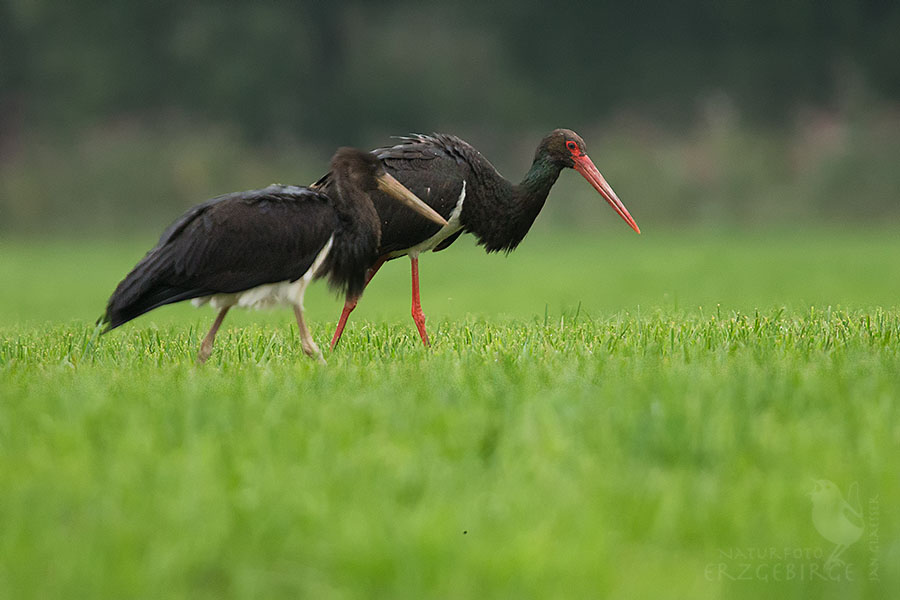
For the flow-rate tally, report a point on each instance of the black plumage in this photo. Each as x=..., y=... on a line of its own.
x=498, y=212
x=236, y=242
x=229, y=244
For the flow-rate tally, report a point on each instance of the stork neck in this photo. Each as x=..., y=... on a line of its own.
x=517, y=206
x=536, y=184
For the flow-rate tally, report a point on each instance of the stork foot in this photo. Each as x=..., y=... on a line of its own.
x=204, y=353
x=419, y=318
x=311, y=349
x=306, y=340
x=207, y=345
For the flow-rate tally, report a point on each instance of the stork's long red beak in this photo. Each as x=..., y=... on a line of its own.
x=585, y=166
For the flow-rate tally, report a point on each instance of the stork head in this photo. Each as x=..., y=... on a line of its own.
x=565, y=148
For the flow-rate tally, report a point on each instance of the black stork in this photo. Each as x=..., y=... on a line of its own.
x=263, y=247
x=460, y=184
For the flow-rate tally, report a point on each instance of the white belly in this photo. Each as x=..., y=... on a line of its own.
x=269, y=295
x=453, y=225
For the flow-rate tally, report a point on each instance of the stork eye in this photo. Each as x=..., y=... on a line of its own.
x=572, y=146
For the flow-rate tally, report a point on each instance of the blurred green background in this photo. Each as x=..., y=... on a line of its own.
x=602, y=414
x=115, y=116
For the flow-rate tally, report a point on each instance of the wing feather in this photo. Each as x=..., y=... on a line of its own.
x=225, y=245
x=433, y=167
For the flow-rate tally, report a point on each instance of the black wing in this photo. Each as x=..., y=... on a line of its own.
x=225, y=245
x=433, y=167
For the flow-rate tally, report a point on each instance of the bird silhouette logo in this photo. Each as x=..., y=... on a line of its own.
x=838, y=520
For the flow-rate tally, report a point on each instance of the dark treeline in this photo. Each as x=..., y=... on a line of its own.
x=342, y=70
x=117, y=114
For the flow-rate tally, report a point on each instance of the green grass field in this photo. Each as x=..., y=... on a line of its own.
x=600, y=416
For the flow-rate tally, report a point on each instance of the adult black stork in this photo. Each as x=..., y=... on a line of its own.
x=460, y=184
x=263, y=247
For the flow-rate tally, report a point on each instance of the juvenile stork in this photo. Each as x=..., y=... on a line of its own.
x=263, y=247
x=459, y=183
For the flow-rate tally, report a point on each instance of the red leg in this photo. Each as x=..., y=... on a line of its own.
x=417, y=314
x=350, y=303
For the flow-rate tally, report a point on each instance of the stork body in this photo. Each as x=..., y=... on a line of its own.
x=263, y=247
x=462, y=186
